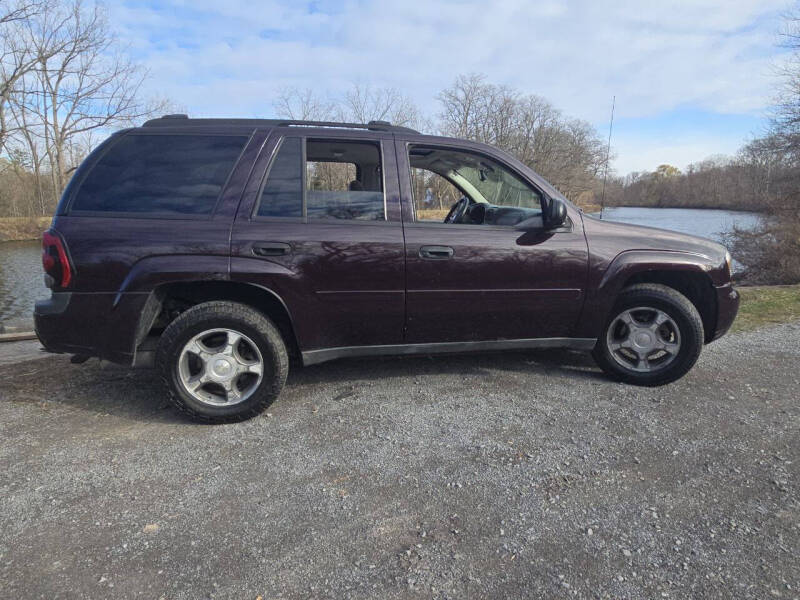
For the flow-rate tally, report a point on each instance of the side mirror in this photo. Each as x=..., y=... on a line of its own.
x=530, y=224
x=556, y=214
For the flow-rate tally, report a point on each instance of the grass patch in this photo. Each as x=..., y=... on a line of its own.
x=764, y=305
x=13, y=229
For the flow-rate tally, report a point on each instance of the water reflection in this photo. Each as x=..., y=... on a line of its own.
x=708, y=223
x=21, y=282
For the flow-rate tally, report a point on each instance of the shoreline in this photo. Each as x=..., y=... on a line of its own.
x=692, y=207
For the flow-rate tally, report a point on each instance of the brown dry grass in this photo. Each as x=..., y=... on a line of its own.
x=432, y=214
x=22, y=228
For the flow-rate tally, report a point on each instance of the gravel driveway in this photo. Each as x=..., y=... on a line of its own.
x=510, y=475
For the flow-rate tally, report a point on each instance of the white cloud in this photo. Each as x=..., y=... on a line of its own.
x=230, y=57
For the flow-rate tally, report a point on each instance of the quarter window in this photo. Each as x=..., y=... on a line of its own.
x=165, y=174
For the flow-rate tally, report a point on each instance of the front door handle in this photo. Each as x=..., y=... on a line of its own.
x=271, y=249
x=436, y=252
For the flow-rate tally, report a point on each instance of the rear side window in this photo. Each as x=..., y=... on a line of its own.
x=180, y=174
x=325, y=179
x=344, y=180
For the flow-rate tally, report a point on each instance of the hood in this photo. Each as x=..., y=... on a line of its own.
x=622, y=237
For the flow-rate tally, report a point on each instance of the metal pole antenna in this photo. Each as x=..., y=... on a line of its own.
x=608, y=154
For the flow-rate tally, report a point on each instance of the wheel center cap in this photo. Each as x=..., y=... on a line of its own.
x=643, y=339
x=222, y=368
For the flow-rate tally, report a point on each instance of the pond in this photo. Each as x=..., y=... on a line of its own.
x=704, y=222
x=22, y=283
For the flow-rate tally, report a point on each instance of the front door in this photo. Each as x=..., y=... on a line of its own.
x=319, y=226
x=476, y=277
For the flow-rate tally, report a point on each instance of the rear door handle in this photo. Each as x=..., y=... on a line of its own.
x=436, y=252
x=271, y=249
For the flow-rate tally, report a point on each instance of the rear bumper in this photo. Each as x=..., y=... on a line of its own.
x=103, y=325
x=48, y=314
x=727, y=309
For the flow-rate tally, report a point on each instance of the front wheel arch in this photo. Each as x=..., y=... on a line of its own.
x=697, y=287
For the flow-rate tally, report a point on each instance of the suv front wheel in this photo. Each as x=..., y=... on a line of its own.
x=653, y=336
x=222, y=362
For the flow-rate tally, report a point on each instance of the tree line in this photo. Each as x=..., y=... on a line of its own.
x=745, y=181
x=66, y=82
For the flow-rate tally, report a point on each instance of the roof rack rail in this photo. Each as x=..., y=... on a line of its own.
x=184, y=121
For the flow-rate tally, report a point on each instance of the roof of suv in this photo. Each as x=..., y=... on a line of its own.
x=184, y=121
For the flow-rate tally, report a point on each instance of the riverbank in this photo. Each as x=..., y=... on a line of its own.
x=734, y=207
x=18, y=229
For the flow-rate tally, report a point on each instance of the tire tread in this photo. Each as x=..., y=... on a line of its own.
x=211, y=311
x=694, y=336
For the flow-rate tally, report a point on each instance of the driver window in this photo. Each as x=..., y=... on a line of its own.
x=433, y=195
x=453, y=186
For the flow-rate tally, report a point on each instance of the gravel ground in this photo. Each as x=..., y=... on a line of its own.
x=512, y=475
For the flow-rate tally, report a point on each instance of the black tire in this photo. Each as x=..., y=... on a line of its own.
x=679, y=309
x=236, y=317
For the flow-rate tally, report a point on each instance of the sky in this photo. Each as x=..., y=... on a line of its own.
x=691, y=79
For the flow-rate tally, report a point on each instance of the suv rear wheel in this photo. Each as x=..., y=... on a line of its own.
x=653, y=336
x=222, y=362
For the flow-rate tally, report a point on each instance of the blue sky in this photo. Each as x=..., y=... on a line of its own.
x=691, y=79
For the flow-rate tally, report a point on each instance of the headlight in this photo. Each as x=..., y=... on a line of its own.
x=729, y=262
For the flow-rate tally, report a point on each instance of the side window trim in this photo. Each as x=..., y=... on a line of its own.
x=304, y=178
x=254, y=216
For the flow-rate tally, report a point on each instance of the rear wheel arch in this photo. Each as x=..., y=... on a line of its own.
x=169, y=300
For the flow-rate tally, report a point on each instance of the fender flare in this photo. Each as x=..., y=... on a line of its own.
x=631, y=262
x=608, y=283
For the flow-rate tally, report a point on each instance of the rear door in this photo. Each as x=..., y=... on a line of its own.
x=483, y=282
x=319, y=225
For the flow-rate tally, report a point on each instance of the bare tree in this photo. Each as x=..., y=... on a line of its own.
x=364, y=103
x=359, y=104
x=303, y=105
x=81, y=82
x=64, y=82
x=786, y=117
x=17, y=58
x=568, y=152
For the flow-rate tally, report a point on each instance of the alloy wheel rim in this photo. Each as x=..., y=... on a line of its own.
x=643, y=339
x=220, y=367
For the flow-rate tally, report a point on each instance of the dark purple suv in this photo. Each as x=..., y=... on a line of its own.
x=216, y=249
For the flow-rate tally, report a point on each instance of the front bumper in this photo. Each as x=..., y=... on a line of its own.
x=727, y=309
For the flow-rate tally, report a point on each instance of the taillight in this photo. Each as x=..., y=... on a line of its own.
x=54, y=259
